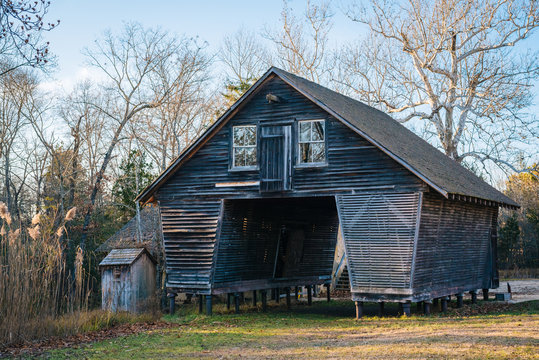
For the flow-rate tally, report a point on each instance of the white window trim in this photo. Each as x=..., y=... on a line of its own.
x=255, y=146
x=323, y=141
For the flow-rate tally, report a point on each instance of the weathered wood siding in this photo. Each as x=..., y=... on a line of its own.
x=353, y=163
x=454, y=250
x=253, y=229
x=190, y=228
x=132, y=290
x=379, y=233
x=189, y=233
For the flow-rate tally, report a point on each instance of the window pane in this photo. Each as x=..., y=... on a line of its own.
x=304, y=131
x=318, y=130
x=250, y=156
x=250, y=135
x=305, y=153
x=239, y=135
x=239, y=156
x=319, y=155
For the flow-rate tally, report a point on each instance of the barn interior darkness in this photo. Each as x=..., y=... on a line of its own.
x=279, y=239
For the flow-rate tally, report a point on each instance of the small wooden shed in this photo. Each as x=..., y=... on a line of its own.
x=127, y=279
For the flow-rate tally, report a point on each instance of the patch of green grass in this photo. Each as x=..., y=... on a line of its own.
x=328, y=331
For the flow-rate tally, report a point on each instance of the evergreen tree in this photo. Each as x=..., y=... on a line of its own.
x=508, y=242
x=135, y=175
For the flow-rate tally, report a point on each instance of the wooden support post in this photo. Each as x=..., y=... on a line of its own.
x=381, y=308
x=328, y=294
x=474, y=297
x=459, y=300
x=200, y=304
x=426, y=307
x=309, y=295
x=443, y=304
x=254, y=298
x=228, y=301
x=209, y=310
x=406, y=309
x=485, y=294
x=237, y=302
x=297, y=292
x=277, y=295
x=288, y=304
x=264, y=299
x=359, y=309
x=171, y=303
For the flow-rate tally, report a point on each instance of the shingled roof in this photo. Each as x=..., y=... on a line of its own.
x=435, y=168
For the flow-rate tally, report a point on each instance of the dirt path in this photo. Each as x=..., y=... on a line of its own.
x=522, y=290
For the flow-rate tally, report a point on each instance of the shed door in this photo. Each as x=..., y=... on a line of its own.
x=275, y=158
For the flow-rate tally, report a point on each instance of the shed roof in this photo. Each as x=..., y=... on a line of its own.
x=123, y=257
x=428, y=163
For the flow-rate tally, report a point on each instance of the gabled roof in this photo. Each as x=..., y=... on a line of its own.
x=123, y=257
x=432, y=166
x=127, y=237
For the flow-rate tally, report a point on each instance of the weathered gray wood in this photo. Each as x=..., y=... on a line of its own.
x=359, y=309
x=264, y=299
x=288, y=302
x=200, y=304
x=460, y=298
x=426, y=307
x=443, y=304
x=237, y=302
x=172, y=303
x=209, y=305
x=473, y=294
x=406, y=309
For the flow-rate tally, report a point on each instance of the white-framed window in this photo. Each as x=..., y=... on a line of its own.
x=244, y=146
x=311, y=142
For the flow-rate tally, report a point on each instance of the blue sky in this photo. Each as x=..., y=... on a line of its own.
x=81, y=22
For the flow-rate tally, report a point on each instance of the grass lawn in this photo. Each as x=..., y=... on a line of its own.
x=330, y=331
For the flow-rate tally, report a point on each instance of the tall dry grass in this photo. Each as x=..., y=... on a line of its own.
x=35, y=286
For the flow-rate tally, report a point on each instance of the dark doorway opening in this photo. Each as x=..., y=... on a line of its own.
x=276, y=241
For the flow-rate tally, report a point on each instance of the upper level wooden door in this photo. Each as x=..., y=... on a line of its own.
x=275, y=157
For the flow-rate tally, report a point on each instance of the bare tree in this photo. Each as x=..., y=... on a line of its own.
x=451, y=67
x=15, y=94
x=165, y=130
x=301, y=45
x=244, y=57
x=21, y=25
x=133, y=64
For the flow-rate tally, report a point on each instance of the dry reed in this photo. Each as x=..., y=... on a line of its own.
x=35, y=285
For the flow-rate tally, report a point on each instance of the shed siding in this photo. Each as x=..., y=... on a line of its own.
x=454, y=246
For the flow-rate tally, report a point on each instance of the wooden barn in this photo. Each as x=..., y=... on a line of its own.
x=259, y=200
